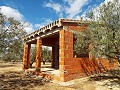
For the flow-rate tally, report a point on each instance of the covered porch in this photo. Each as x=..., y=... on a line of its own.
x=51, y=40
x=46, y=70
x=47, y=36
x=52, y=35
x=64, y=66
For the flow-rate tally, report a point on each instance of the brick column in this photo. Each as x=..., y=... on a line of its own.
x=53, y=56
x=65, y=52
x=26, y=56
x=38, y=54
x=61, y=54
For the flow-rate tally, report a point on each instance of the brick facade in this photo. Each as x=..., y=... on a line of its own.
x=69, y=66
x=72, y=68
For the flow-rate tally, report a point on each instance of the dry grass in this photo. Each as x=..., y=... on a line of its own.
x=12, y=78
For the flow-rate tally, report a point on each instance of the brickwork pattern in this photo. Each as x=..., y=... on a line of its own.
x=38, y=54
x=71, y=68
x=26, y=56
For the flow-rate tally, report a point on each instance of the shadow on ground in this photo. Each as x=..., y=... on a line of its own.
x=19, y=81
x=113, y=76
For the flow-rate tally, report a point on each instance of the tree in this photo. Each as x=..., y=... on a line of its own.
x=11, y=32
x=103, y=32
x=32, y=56
x=46, y=55
x=81, y=44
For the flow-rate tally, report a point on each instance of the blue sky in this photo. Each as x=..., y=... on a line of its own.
x=37, y=13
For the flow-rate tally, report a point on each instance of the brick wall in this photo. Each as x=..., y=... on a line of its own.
x=72, y=68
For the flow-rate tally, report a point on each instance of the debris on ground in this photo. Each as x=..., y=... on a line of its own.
x=20, y=80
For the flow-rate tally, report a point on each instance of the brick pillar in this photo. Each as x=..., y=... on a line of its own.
x=61, y=54
x=38, y=54
x=53, y=57
x=26, y=56
x=65, y=52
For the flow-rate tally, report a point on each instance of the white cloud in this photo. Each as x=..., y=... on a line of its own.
x=69, y=9
x=10, y=12
x=28, y=27
x=45, y=22
x=55, y=6
x=74, y=7
x=32, y=27
x=38, y=25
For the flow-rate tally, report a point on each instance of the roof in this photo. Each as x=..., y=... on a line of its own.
x=57, y=23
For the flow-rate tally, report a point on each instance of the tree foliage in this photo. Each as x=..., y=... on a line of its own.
x=81, y=44
x=46, y=55
x=103, y=32
x=32, y=55
x=11, y=32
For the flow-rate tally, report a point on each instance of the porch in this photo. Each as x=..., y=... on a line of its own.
x=64, y=66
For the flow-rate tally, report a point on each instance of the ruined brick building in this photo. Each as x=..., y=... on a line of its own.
x=60, y=39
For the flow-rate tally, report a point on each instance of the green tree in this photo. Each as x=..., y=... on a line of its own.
x=46, y=55
x=81, y=44
x=11, y=32
x=32, y=56
x=103, y=32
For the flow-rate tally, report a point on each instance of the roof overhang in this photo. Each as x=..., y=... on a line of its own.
x=50, y=29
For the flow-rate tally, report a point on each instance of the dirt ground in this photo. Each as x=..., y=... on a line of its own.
x=13, y=78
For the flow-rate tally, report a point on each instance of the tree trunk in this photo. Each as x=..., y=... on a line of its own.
x=43, y=62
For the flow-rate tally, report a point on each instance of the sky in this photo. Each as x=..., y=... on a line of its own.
x=38, y=13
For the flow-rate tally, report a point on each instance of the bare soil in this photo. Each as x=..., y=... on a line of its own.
x=13, y=78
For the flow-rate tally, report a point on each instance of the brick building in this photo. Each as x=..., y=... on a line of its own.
x=60, y=38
